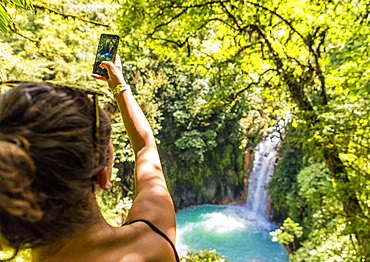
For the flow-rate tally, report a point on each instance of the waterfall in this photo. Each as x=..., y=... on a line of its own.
x=240, y=233
x=263, y=169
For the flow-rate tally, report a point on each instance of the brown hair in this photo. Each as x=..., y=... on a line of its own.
x=47, y=165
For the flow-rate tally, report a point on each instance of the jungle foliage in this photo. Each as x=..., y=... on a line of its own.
x=214, y=77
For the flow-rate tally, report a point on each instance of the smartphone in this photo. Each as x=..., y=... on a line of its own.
x=107, y=50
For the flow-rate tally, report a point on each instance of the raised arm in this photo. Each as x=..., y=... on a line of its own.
x=152, y=199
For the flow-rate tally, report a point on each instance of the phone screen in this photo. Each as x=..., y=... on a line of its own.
x=107, y=50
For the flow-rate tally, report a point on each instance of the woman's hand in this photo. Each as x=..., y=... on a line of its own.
x=114, y=71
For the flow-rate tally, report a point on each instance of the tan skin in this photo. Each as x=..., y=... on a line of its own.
x=136, y=242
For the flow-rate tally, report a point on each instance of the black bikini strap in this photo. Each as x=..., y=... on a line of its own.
x=157, y=230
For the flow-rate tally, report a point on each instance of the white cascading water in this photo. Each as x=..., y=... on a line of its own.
x=240, y=233
x=263, y=169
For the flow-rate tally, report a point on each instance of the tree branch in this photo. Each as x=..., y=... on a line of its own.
x=309, y=42
x=176, y=43
x=233, y=18
x=181, y=44
x=185, y=9
x=44, y=7
x=198, y=5
x=157, y=27
x=258, y=5
x=239, y=92
x=15, y=30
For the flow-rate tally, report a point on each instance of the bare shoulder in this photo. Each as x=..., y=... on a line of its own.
x=136, y=242
x=145, y=244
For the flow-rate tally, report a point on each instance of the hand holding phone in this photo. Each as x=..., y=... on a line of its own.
x=107, y=50
x=115, y=73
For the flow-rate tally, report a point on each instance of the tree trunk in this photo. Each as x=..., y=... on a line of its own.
x=347, y=195
x=351, y=205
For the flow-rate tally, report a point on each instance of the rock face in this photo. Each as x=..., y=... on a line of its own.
x=215, y=191
x=221, y=188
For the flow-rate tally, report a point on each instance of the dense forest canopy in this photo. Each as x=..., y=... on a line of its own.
x=215, y=77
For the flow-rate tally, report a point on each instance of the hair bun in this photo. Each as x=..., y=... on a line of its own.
x=17, y=172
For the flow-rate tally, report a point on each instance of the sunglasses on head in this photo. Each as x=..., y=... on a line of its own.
x=95, y=94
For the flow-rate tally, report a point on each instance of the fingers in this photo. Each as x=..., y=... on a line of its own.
x=104, y=78
x=106, y=64
x=117, y=60
x=112, y=68
x=114, y=71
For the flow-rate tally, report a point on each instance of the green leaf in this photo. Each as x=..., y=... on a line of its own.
x=4, y=19
x=25, y=4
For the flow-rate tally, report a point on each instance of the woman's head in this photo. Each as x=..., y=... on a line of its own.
x=49, y=159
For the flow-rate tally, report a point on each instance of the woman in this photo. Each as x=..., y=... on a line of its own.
x=56, y=155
